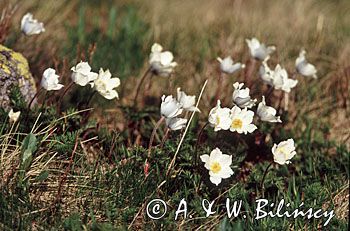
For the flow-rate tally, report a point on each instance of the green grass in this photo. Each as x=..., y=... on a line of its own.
x=107, y=187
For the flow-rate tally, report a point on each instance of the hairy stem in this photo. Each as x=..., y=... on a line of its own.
x=140, y=84
x=219, y=88
x=90, y=98
x=197, y=142
x=63, y=94
x=165, y=137
x=265, y=173
x=32, y=100
x=160, y=121
x=250, y=66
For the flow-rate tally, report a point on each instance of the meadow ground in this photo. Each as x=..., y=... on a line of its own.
x=86, y=169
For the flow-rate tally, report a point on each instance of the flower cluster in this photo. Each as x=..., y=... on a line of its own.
x=170, y=108
x=235, y=119
x=82, y=75
x=278, y=78
x=240, y=117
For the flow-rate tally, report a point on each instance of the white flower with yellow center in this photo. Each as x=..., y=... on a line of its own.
x=241, y=120
x=219, y=117
x=13, y=116
x=105, y=84
x=228, y=66
x=281, y=80
x=50, y=80
x=259, y=50
x=187, y=101
x=82, y=74
x=303, y=67
x=170, y=108
x=284, y=151
x=161, y=61
x=241, y=96
x=218, y=165
x=267, y=113
x=31, y=26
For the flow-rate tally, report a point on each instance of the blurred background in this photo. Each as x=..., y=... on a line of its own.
x=118, y=35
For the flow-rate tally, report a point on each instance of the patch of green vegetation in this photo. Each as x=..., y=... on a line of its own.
x=120, y=46
x=109, y=192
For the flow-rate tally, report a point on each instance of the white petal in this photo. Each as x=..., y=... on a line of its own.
x=215, y=180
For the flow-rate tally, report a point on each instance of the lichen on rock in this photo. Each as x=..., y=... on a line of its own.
x=14, y=71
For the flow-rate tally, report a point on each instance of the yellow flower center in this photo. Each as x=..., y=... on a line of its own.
x=236, y=123
x=215, y=167
x=282, y=151
x=101, y=84
x=217, y=120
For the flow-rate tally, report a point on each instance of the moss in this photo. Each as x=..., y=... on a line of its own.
x=14, y=71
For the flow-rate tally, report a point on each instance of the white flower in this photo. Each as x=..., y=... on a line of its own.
x=82, y=74
x=281, y=80
x=219, y=117
x=187, y=101
x=266, y=73
x=241, y=96
x=161, y=62
x=170, y=108
x=241, y=120
x=105, y=84
x=50, y=80
x=259, y=50
x=13, y=116
x=267, y=113
x=284, y=151
x=303, y=67
x=30, y=26
x=218, y=165
x=175, y=123
x=227, y=65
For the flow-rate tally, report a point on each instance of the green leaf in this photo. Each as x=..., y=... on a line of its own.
x=42, y=176
x=26, y=159
x=225, y=225
x=73, y=222
x=27, y=150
